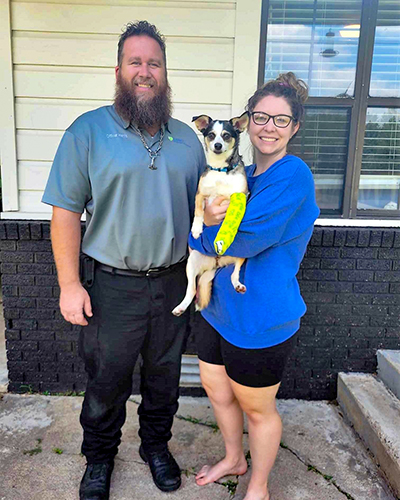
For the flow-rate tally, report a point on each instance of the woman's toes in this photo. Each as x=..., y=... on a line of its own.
x=203, y=472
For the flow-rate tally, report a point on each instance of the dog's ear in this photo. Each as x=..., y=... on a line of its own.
x=240, y=123
x=201, y=122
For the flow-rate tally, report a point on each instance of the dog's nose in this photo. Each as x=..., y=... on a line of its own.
x=218, y=146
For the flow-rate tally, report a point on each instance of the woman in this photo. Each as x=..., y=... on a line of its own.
x=246, y=339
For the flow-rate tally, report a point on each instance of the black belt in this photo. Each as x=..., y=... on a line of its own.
x=153, y=272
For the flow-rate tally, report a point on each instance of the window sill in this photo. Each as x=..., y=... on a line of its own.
x=358, y=222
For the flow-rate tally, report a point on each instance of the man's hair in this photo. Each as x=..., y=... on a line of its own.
x=140, y=28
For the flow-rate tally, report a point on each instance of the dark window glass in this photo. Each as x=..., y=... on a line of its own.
x=385, y=77
x=379, y=186
x=322, y=143
x=317, y=40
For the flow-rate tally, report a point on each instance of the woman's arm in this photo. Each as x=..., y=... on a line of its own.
x=267, y=215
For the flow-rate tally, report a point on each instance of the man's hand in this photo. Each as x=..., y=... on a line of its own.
x=74, y=300
x=215, y=212
x=65, y=239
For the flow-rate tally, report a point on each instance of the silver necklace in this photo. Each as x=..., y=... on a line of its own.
x=153, y=154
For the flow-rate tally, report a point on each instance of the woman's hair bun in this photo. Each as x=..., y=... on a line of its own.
x=291, y=81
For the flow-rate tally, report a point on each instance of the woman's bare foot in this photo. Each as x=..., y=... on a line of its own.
x=257, y=495
x=210, y=473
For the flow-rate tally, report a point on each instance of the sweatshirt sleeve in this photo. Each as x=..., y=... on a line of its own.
x=285, y=198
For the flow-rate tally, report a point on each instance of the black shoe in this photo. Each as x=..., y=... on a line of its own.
x=164, y=469
x=95, y=484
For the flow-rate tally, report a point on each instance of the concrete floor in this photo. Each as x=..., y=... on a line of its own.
x=320, y=457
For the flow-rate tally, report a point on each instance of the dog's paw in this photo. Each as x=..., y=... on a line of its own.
x=240, y=288
x=178, y=311
x=197, y=227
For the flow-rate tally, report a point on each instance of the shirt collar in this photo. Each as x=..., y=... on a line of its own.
x=126, y=123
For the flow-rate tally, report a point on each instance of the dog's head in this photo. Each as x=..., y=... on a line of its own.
x=221, y=137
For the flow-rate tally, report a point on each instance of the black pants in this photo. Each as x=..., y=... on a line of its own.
x=131, y=315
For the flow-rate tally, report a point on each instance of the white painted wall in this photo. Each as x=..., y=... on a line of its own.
x=59, y=62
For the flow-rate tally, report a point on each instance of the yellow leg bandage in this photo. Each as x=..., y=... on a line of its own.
x=230, y=226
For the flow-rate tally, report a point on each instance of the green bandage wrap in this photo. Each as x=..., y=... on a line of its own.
x=230, y=226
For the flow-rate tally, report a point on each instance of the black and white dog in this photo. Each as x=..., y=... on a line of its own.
x=224, y=176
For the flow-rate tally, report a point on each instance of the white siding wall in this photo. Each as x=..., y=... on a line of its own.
x=63, y=58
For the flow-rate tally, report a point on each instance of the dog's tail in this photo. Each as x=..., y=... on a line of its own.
x=204, y=289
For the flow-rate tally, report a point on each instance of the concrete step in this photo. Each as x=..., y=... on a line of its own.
x=374, y=412
x=389, y=369
x=190, y=371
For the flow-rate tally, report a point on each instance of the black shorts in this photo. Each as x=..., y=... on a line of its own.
x=248, y=367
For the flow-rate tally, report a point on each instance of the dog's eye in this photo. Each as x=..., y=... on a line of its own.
x=211, y=136
x=226, y=137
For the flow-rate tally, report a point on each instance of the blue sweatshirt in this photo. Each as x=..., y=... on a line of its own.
x=273, y=237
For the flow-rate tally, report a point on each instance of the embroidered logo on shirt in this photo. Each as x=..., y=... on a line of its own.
x=113, y=136
x=177, y=141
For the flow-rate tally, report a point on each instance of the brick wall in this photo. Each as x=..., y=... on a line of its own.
x=41, y=346
x=350, y=280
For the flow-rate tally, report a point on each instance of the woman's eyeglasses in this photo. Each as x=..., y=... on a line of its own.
x=280, y=121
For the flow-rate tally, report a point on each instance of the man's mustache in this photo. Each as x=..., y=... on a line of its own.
x=140, y=108
x=145, y=81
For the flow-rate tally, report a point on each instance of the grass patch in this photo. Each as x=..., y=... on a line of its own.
x=189, y=472
x=231, y=486
x=58, y=451
x=314, y=469
x=27, y=389
x=193, y=420
x=34, y=451
x=67, y=393
x=330, y=479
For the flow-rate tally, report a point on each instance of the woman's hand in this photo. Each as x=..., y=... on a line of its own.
x=215, y=212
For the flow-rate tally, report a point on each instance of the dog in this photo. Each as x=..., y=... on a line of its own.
x=224, y=176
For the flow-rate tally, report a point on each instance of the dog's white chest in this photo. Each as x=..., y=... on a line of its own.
x=222, y=184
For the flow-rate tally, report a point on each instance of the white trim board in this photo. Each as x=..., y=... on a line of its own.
x=319, y=222
x=26, y=216
x=358, y=222
x=8, y=153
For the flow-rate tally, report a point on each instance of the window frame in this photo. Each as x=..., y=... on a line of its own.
x=358, y=104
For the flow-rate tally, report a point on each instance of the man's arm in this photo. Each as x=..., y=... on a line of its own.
x=65, y=239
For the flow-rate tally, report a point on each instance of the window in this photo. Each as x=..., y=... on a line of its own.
x=380, y=169
x=306, y=35
x=348, y=52
x=385, y=76
x=322, y=144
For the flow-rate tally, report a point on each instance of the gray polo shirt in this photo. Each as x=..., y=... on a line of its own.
x=136, y=218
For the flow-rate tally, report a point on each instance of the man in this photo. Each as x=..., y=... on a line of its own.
x=135, y=171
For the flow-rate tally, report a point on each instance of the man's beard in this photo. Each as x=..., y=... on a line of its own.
x=143, y=111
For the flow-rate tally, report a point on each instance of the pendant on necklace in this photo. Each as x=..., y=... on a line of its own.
x=153, y=154
x=153, y=157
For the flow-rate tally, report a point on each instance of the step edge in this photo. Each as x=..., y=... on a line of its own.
x=383, y=455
